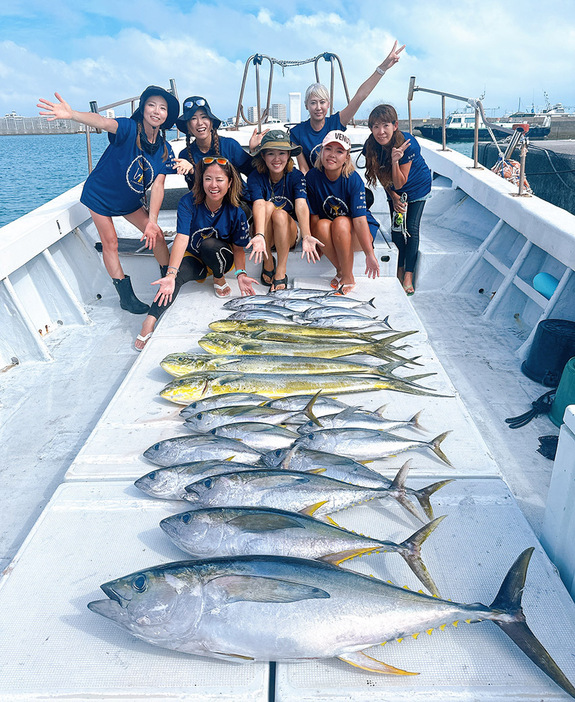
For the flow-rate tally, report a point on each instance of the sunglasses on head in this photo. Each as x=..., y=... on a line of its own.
x=220, y=160
x=200, y=102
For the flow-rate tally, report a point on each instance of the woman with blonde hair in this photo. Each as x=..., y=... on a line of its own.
x=339, y=217
x=310, y=134
x=212, y=232
x=393, y=158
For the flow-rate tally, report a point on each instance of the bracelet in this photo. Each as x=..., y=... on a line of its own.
x=258, y=234
x=380, y=71
x=172, y=268
x=240, y=271
x=171, y=273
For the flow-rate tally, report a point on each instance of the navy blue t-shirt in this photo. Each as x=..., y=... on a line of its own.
x=116, y=185
x=418, y=183
x=305, y=136
x=283, y=194
x=196, y=221
x=229, y=148
x=344, y=197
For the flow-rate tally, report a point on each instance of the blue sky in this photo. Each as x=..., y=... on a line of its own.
x=110, y=50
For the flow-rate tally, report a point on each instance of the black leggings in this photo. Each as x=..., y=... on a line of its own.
x=409, y=250
x=213, y=253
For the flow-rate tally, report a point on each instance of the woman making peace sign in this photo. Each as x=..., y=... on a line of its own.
x=394, y=159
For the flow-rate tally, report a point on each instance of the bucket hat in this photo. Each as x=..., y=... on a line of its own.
x=172, y=102
x=190, y=106
x=276, y=139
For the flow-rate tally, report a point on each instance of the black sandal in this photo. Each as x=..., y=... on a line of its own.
x=280, y=281
x=268, y=274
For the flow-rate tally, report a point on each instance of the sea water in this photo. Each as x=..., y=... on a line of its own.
x=34, y=168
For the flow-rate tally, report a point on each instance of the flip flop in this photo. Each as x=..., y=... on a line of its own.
x=279, y=281
x=346, y=288
x=335, y=282
x=268, y=274
x=220, y=290
x=409, y=290
x=143, y=340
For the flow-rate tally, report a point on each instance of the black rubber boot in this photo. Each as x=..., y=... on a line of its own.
x=128, y=300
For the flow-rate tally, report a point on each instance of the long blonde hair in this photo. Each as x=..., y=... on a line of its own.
x=374, y=169
x=347, y=169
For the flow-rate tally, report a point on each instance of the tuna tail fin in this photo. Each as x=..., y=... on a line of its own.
x=508, y=601
x=410, y=550
x=308, y=410
x=398, y=492
x=434, y=445
x=425, y=493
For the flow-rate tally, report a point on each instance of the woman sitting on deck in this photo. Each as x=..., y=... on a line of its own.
x=339, y=217
x=279, y=200
x=394, y=159
x=212, y=233
x=137, y=157
x=310, y=134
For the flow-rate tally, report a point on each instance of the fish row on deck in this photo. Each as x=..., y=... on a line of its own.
x=266, y=583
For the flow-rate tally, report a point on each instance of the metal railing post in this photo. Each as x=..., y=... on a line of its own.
x=476, y=140
x=443, y=125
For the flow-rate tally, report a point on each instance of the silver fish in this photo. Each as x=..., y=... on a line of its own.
x=199, y=447
x=302, y=293
x=344, y=321
x=314, y=313
x=169, y=483
x=223, y=400
x=368, y=444
x=277, y=314
x=237, y=303
x=360, y=419
x=258, y=435
x=276, y=608
x=345, y=302
x=322, y=406
x=243, y=531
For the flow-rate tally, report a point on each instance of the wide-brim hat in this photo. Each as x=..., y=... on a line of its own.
x=276, y=139
x=171, y=101
x=190, y=106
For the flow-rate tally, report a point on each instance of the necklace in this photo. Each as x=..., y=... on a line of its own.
x=214, y=213
x=282, y=180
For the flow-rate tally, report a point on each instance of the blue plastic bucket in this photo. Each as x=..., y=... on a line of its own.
x=553, y=345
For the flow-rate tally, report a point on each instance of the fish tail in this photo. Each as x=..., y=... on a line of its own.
x=434, y=445
x=414, y=421
x=423, y=495
x=398, y=492
x=410, y=550
x=512, y=622
x=308, y=409
x=370, y=302
x=412, y=378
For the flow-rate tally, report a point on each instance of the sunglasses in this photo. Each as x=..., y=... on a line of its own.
x=200, y=102
x=220, y=160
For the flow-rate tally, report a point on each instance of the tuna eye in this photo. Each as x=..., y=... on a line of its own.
x=199, y=415
x=139, y=583
x=311, y=435
x=152, y=475
x=208, y=483
x=186, y=518
x=156, y=447
x=278, y=452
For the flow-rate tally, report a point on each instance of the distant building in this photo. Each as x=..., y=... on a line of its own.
x=279, y=111
x=295, y=107
x=252, y=114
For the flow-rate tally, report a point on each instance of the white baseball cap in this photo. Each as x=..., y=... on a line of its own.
x=337, y=137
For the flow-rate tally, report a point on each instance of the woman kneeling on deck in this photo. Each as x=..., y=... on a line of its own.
x=394, y=159
x=339, y=217
x=279, y=199
x=137, y=157
x=212, y=233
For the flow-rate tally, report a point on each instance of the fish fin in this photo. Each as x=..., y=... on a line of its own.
x=341, y=556
x=412, y=378
x=414, y=421
x=397, y=490
x=425, y=493
x=380, y=410
x=227, y=379
x=231, y=657
x=434, y=445
x=410, y=552
x=311, y=509
x=512, y=622
x=253, y=588
x=368, y=460
x=329, y=520
x=388, y=368
x=260, y=522
x=290, y=455
x=359, y=659
x=309, y=407
x=317, y=471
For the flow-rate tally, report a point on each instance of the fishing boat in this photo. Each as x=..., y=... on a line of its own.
x=460, y=126
x=79, y=406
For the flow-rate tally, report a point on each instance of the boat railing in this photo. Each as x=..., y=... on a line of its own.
x=94, y=107
x=476, y=104
x=257, y=60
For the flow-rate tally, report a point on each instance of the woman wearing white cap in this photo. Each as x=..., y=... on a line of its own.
x=339, y=217
x=310, y=134
x=137, y=157
x=279, y=200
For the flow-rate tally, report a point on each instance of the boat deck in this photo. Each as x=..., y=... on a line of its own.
x=98, y=526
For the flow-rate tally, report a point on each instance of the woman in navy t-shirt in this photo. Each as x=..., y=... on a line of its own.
x=394, y=159
x=339, y=217
x=279, y=200
x=212, y=233
x=137, y=157
x=310, y=134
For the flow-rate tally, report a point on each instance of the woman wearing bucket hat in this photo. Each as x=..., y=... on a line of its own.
x=279, y=200
x=212, y=234
x=197, y=121
x=339, y=217
x=310, y=134
x=137, y=157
